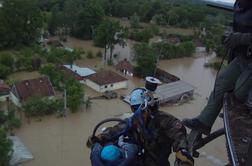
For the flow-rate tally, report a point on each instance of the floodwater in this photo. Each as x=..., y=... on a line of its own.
x=61, y=141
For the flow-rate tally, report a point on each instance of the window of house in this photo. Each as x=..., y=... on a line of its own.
x=106, y=86
x=111, y=85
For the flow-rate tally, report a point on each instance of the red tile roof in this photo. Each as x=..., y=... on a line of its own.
x=4, y=88
x=125, y=65
x=40, y=87
x=105, y=77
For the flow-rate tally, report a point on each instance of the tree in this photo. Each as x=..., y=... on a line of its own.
x=146, y=58
x=7, y=59
x=75, y=94
x=88, y=19
x=37, y=106
x=12, y=121
x=108, y=34
x=134, y=21
x=4, y=71
x=70, y=57
x=54, y=75
x=20, y=22
x=5, y=148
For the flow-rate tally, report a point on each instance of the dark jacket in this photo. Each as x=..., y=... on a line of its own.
x=242, y=23
x=165, y=133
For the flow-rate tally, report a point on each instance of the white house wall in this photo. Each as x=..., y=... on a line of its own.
x=109, y=87
x=15, y=100
x=4, y=98
x=93, y=85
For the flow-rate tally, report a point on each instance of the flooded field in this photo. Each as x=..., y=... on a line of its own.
x=61, y=141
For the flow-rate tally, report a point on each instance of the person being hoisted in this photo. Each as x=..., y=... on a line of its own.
x=155, y=132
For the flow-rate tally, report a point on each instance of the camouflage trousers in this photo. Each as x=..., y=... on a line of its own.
x=237, y=77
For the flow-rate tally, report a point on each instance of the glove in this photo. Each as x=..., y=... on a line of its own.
x=184, y=157
x=237, y=39
x=92, y=140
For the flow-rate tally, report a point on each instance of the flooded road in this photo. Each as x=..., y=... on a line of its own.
x=61, y=142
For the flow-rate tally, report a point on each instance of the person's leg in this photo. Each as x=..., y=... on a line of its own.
x=244, y=85
x=224, y=83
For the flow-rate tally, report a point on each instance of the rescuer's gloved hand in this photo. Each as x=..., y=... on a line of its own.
x=184, y=157
x=237, y=39
x=92, y=140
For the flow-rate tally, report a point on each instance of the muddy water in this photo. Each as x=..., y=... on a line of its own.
x=61, y=142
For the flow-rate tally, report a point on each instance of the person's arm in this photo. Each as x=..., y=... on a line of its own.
x=95, y=155
x=110, y=134
x=174, y=129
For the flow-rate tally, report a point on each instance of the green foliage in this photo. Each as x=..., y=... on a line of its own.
x=146, y=58
x=12, y=121
x=141, y=36
x=80, y=17
x=24, y=59
x=36, y=107
x=110, y=62
x=109, y=33
x=99, y=54
x=3, y=118
x=125, y=8
x=20, y=22
x=54, y=75
x=73, y=88
x=56, y=55
x=75, y=94
x=170, y=51
x=6, y=65
x=70, y=57
x=59, y=56
x=5, y=148
x=90, y=55
x=134, y=21
x=7, y=59
x=213, y=38
x=4, y=71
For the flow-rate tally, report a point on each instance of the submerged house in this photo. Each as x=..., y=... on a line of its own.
x=106, y=80
x=39, y=87
x=4, y=91
x=79, y=73
x=125, y=67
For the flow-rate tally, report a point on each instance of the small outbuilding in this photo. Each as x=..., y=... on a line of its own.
x=39, y=87
x=79, y=73
x=173, y=92
x=106, y=80
x=125, y=67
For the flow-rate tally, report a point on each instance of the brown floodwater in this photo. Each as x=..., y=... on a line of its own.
x=61, y=141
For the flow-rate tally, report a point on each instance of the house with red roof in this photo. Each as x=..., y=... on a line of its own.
x=106, y=80
x=23, y=90
x=125, y=67
x=4, y=91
